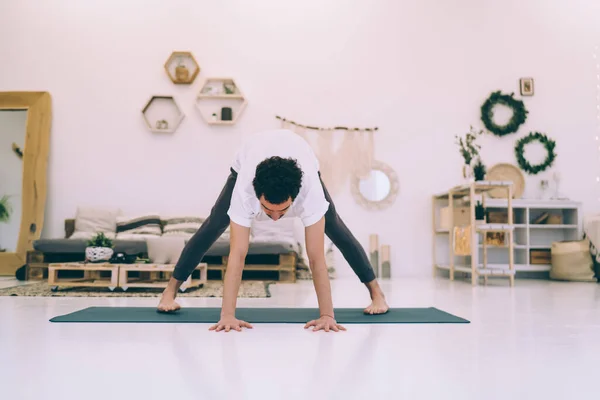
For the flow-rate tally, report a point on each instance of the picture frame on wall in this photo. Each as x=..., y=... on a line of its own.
x=526, y=85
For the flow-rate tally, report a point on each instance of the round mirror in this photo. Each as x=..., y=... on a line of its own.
x=376, y=186
x=378, y=190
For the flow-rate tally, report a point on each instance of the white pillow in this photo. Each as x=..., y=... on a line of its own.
x=96, y=219
x=165, y=250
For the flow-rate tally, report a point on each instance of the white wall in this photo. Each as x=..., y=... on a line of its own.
x=419, y=70
x=12, y=130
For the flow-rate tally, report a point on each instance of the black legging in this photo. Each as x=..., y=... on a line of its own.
x=218, y=220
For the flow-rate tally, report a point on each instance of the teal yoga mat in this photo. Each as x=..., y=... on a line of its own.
x=429, y=315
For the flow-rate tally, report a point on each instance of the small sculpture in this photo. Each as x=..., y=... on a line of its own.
x=162, y=124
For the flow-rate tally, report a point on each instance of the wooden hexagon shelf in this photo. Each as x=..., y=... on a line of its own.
x=182, y=67
x=220, y=101
x=162, y=114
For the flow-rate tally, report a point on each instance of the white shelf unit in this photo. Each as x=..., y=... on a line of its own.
x=527, y=235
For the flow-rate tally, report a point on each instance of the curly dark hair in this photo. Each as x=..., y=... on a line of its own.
x=277, y=179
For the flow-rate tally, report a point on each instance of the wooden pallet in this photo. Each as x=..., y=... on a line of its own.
x=93, y=275
x=284, y=266
x=158, y=275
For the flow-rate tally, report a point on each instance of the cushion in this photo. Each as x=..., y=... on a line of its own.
x=183, y=226
x=165, y=250
x=95, y=219
x=148, y=224
x=571, y=261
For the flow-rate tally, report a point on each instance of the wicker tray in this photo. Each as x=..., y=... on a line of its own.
x=506, y=172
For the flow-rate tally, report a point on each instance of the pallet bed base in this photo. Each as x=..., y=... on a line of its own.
x=284, y=268
x=158, y=275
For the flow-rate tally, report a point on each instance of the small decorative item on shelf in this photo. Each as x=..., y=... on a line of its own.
x=544, y=185
x=374, y=253
x=214, y=117
x=556, y=178
x=468, y=150
x=182, y=73
x=479, y=170
x=462, y=240
x=495, y=239
x=162, y=124
x=479, y=213
x=99, y=248
x=386, y=270
x=226, y=114
x=229, y=87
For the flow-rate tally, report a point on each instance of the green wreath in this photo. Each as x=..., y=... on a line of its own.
x=548, y=143
x=518, y=117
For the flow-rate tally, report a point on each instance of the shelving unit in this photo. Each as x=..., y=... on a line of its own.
x=467, y=194
x=162, y=114
x=527, y=236
x=217, y=93
x=182, y=67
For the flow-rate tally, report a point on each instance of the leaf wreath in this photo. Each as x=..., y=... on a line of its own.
x=519, y=113
x=549, y=145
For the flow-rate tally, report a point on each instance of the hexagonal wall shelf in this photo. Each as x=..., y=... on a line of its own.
x=182, y=67
x=162, y=114
x=220, y=101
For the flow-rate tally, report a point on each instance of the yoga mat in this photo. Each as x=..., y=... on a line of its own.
x=257, y=315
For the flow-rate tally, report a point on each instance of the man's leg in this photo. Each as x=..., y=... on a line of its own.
x=354, y=254
x=198, y=245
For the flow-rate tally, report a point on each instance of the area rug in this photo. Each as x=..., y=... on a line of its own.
x=248, y=289
x=428, y=315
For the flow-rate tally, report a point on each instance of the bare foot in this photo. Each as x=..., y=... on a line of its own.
x=378, y=305
x=168, y=303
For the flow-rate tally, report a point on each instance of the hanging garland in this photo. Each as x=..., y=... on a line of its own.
x=549, y=145
x=519, y=113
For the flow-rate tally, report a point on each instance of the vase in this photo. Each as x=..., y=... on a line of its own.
x=97, y=254
x=182, y=74
x=467, y=173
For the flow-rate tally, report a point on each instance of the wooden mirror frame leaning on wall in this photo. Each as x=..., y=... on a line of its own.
x=35, y=160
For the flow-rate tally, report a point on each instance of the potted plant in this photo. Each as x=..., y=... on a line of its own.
x=5, y=211
x=479, y=213
x=99, y=248
x=468, y=150
x=479, y=170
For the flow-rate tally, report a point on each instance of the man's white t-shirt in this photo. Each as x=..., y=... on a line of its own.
x=310, y=205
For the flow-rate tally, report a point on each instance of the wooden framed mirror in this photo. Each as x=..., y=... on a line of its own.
x=25, y=119
x=378, y=190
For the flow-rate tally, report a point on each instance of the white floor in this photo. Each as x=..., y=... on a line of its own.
x=538, y=340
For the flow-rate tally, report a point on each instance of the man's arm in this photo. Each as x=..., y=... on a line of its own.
x=240, y=237
x=315, y=247
x=238, y=248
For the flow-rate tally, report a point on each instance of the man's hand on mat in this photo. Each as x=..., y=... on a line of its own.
x=326, y=323
x=228, y=323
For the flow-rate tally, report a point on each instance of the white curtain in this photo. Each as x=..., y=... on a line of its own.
x=353, y=156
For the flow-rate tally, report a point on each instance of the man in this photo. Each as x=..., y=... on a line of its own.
x=275, y=173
